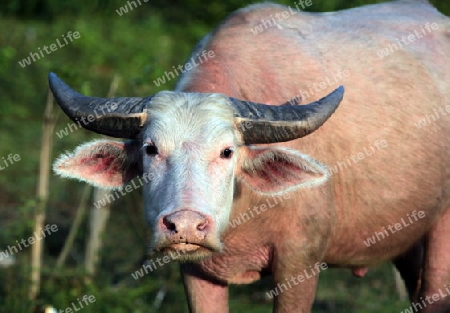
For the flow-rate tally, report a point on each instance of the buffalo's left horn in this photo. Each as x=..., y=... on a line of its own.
x=261, y=123
x=116, y=117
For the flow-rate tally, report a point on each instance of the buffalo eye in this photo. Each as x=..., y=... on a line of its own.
x=150, y=149
x=226, y=153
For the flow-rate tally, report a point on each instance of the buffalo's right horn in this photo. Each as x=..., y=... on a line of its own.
x=116, y=117
x=262, y=123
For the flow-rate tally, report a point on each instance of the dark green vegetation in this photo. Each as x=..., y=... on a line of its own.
x=138, y=46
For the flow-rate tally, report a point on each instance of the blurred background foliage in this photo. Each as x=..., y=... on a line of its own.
x=138, y=47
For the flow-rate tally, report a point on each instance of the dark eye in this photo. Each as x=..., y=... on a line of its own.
x=151, y=149
x=226, y=153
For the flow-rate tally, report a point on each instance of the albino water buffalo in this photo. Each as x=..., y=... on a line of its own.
x=246, y=187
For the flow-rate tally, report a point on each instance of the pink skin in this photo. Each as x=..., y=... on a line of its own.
x=403, y=168
x=394, y=172
x=360, y=271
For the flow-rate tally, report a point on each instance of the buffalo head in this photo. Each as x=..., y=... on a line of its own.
x=189, y=149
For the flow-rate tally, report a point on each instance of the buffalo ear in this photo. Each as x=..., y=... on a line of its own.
x=273, y=171
x=102, y=163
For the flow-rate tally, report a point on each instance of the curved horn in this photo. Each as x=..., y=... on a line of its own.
x=261, y=123
x=116, y=117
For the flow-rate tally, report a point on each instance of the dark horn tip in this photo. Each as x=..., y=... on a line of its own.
x=53, y=79
x=60, y=89
x=340, y=91
x=333, y=99
x=330, y=103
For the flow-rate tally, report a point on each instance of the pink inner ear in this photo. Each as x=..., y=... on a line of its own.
x=99, y=163
x=272, y=171
x=283, y=170
x=273, y=175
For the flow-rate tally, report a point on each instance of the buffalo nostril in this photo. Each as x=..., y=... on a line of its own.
x=185, y=225
x=202, y=226
x=170, y=225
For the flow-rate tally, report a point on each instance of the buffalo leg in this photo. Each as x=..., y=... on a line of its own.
x=410, y=264
x=203, y=295
x=435, y=289
x=296, y=288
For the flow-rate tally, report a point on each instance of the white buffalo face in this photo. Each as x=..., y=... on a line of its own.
x=188, y=155
x=190, y=147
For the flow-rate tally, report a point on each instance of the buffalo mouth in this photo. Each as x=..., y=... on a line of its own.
x=188, y=247
x=185, y=247
x=187, y=251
